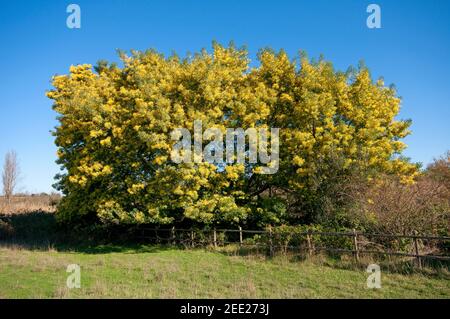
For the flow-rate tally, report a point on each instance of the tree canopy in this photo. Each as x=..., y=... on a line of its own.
x=115, y=123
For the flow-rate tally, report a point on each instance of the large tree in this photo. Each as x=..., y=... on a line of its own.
x=115, y=124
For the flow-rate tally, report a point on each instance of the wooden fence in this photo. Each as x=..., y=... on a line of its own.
x=421, y=246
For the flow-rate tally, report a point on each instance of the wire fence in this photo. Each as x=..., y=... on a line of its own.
x=416, y=247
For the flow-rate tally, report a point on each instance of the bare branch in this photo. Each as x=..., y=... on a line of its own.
x=10, y=175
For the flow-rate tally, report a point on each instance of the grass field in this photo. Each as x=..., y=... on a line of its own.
x=158, y=272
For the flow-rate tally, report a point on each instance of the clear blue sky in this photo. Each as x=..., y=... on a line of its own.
x=411, y=50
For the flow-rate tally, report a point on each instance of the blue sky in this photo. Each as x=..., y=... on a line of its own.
x=411, y=50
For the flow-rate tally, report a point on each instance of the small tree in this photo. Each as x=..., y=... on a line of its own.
x=10, y=174
x=439, y=170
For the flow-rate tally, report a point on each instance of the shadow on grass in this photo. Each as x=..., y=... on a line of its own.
x=344, y=261
x=85, y=248
x=39, y=231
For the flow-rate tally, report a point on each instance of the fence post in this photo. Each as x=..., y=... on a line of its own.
x=416, y=249
x=156, y=235
x=215, y=238
x=270, y=242
x=240, y=236
x=355, y=243
x=308, y=239
x=192, y=238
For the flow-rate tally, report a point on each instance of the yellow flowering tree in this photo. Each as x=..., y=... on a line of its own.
x=115, y=123
x=333, y=125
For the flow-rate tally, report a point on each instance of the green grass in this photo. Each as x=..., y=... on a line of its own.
x=158, y=272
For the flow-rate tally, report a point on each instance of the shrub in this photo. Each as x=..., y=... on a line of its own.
x=392, y=207
x=285, y=237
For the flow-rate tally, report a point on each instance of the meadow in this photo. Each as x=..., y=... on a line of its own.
x=34, y=257
x=162, y=272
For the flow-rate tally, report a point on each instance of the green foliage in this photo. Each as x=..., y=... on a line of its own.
x=114, y=140
x=286, y=236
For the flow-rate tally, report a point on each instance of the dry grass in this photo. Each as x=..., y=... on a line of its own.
x=29, y=203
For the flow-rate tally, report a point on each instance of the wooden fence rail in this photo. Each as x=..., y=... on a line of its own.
x=188, y=238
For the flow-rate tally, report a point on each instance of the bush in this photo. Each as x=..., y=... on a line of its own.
x=286, y=237
x=392, y=207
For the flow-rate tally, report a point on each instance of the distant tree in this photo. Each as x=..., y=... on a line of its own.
x=439, y=169
x=10, y=175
